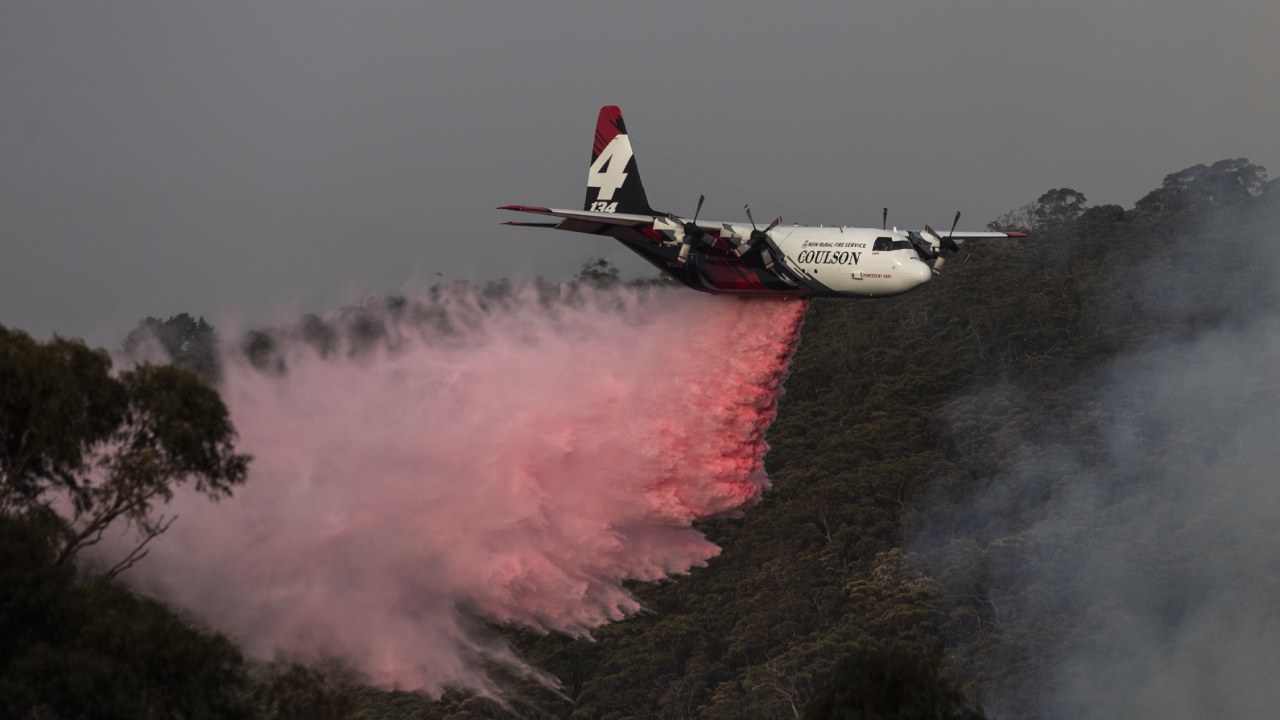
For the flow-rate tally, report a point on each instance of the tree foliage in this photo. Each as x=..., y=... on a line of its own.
x=879, y=685
x=1199, y=187
x=57, y=403
x=1060, y=206
x=82, y=450
x=190, y=343
x=91, y=649
x=106, y=448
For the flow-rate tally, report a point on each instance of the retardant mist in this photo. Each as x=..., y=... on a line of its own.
x=512, y=455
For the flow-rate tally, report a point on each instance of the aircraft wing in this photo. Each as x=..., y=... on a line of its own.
x=981, y=235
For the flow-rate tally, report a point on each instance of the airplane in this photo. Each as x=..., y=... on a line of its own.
x=742, y=258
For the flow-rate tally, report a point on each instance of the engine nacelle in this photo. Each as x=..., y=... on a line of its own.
x=669, y=227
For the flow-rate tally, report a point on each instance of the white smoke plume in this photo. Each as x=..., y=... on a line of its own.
x=1129, y=555
x=513, y=455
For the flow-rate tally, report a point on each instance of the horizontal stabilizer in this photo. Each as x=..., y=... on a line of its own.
x=604, y=218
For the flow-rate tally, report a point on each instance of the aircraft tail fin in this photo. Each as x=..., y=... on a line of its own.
x=613, y=182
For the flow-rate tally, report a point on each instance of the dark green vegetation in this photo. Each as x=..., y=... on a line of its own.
x=884, y=575
x=106, y=451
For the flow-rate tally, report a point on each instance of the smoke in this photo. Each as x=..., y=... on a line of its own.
x=1129, y=555
x=513, y=456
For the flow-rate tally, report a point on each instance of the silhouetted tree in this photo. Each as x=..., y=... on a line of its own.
x=598, y=272
x=191, y=344
x=109, y=447
x=1059, y=207
x=1199, y=187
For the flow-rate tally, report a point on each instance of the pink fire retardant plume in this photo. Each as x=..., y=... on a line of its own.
x=514, y=459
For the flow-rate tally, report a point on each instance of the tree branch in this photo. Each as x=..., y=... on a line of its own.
x=141, y=550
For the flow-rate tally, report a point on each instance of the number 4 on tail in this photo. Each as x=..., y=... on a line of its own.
x=608, y=172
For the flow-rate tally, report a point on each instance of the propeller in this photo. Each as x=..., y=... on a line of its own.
x=948, y=243
x=944, y=243
x=757, y=237
x=690, y=230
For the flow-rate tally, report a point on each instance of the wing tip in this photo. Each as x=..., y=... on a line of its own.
x=1017, y=235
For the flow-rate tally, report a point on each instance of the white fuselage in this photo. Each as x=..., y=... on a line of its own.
x=858, y=262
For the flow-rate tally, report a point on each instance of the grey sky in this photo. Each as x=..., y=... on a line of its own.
x=237, y=159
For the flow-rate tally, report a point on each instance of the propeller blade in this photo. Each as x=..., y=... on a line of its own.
x=690, y=234
x=757, y=237
x=950, y=244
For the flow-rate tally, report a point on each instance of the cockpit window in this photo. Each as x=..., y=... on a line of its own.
x=901, y=244
x=882, y=243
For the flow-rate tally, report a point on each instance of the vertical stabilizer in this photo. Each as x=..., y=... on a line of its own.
x=613, y=182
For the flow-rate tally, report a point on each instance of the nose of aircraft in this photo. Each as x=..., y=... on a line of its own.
x=914, y=273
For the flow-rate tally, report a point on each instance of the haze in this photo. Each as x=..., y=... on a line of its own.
x=253, y=161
